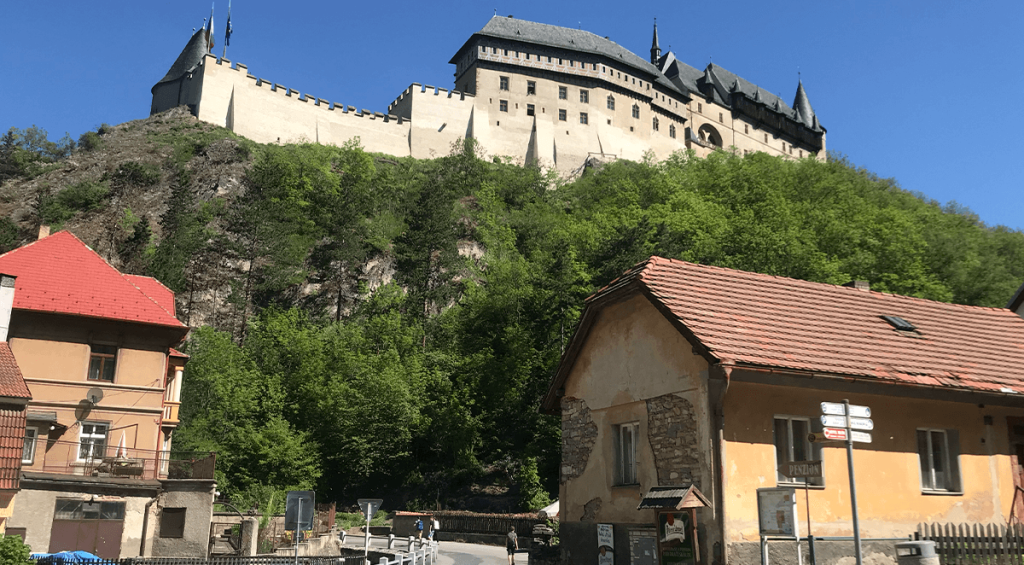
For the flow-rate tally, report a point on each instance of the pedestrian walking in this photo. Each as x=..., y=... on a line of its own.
x=512, y=545
x=419, y=528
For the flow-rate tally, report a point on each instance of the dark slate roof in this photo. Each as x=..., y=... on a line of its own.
x=682, y=75
x=726, y=82
x=566, y=38
x=190, y=56
x=673, y=498
x=802, y=107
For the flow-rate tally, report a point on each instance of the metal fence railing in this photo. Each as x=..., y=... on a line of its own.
x=101, y=459
x=233, y=560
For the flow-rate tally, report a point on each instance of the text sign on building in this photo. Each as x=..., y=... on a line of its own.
x=840, y=422
x=834, y=434
x=801, y=469
x=836, y=409
x=860, y=437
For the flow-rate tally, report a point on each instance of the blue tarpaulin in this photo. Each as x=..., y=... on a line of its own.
x=65, y=557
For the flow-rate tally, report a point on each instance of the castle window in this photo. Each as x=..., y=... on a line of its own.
x=595, y=66
x=559, y=60
x=583, y=118
x=636, y=111
x=700, y=108
x=563, y=92
x=530, y=110
x=672, y=131
x=503, y=105
x=503, y=83
x=746, y=128
x=585, y=96
x=506, y=52
x=655, y=124
x=783, y=146
x=531, y=87
x=721, y=118
x=604, y=69
x=801, y=153
x=766, y=138
x=494, y=50
x=634, y=80
x=611, y=102
x=561, y=116
x=549, y=59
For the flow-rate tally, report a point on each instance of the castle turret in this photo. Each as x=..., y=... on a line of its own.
x=802, y=106
x=167, y=93
x=655, y=48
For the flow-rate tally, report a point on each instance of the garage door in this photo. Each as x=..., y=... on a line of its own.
x=81, y=525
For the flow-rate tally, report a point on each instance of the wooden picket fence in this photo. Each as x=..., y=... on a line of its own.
x=975, y=544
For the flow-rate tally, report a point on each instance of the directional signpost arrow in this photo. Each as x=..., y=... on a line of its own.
x=860, y=437
x=841, y=421
x=837, y=409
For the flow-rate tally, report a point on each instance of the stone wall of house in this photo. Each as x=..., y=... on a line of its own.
x=579, y=433
x=672, y=433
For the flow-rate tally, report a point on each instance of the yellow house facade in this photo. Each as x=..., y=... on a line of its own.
x=688, y=375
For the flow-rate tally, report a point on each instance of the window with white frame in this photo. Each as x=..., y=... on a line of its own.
x=626, y=436
x=92, y=441
x=792, y=444
x=28, y=452
x=939, y=454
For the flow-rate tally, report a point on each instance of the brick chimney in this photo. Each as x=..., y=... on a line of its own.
x=6, y=304
x=859, y=285
x=44, y=231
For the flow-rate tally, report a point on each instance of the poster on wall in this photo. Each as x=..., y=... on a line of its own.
x=605, y=544
x=675, y=537
x=776, y=512
x=643, y=546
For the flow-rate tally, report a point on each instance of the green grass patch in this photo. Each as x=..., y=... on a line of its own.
x=346, y=520
x=86, y=196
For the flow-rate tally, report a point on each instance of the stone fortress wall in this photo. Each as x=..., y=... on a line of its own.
x=534, y=103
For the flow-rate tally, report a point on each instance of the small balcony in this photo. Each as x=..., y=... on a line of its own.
x=170, y=419
x=71, y=458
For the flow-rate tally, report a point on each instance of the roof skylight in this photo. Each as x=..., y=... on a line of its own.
x=899, y=323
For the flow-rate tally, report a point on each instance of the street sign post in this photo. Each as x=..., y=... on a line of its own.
x=837, y=409
x=298, y=513
x=801, y=469
x=369, y=506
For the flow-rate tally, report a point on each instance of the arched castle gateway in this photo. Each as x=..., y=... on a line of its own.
x=532, y=91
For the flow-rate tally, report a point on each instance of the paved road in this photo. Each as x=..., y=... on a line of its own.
x=454, y=553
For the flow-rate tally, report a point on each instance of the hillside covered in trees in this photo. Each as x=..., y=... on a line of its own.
x=367, y=325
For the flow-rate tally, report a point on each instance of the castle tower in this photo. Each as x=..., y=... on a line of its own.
x=655, y=48
x=802, y=106
x=169, y=92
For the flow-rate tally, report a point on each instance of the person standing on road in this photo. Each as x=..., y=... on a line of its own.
x=512, y=545
x=419, y=528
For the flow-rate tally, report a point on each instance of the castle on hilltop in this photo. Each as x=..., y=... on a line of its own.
x=518, y=86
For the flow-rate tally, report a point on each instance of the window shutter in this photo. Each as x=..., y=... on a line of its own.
x=953, y=480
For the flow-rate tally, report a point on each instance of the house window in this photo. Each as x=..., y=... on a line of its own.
x=92, y=438
x=563, y=92
x=503, y=83
x=672, y=131
x=530, y=110
x=28, y=452
x=562, y=116
x=583, y=118
x=654, y=124
x=102, y=361
x=585, y=96
x=611, y=102
x=172, y=523
x=791, y=445
x=531, y=87
x=625, y=453
x=636, y=111
x=503, y=105
x=939, y=454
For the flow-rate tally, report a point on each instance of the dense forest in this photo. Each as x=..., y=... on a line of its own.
x=427, y=377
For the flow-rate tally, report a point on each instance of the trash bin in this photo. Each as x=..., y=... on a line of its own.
x=916, y=553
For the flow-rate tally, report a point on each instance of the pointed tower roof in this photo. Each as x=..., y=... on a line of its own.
x=804, y=112
x=655, y=48
x=190, y=56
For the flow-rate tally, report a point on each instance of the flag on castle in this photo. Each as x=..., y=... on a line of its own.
x=227, y=31
x=209, y=30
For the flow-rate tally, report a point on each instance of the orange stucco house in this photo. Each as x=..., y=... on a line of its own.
x=684, y=375
x=96, y=348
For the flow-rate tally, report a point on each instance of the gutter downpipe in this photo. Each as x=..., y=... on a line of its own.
x=145, y=524
x=726, y=372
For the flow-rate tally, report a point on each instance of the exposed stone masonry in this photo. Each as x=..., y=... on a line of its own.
x=579, y=433
x=672, y=432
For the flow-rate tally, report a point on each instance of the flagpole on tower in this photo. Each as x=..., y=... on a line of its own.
x=227, y=33
x=209, y=31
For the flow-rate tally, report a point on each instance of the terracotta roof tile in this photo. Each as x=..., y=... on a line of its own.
x=12, y=383
x=12, y=443
x=754, y=319
x=154, y=289
x=62, y=275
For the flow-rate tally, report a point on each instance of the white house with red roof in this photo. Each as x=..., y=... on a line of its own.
x=684, y=375
x=96, y=348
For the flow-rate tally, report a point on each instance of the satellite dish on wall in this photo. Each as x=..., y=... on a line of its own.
x=94, y=396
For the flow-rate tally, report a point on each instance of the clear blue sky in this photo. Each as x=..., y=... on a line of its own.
x=925, y=91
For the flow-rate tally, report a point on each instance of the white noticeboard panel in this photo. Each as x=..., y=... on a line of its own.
x=605, y=536
x=776, y=512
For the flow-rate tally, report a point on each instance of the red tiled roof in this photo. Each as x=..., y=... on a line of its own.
x=175, y=353
x=62, y=275
x=155, y=290
x=12, y=444
x=761, y=320
x=12, y=383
